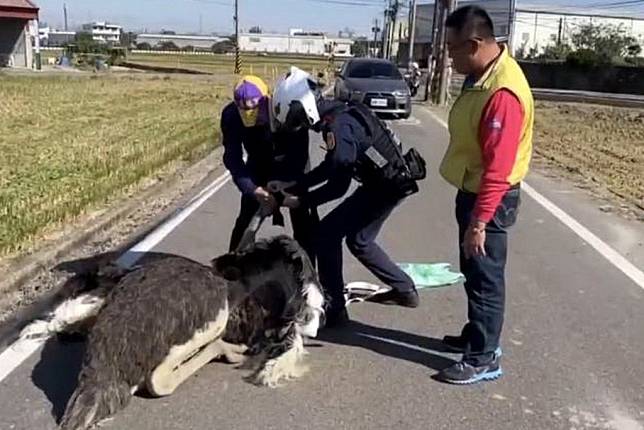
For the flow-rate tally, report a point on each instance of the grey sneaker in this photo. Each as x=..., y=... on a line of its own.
x=462, y=373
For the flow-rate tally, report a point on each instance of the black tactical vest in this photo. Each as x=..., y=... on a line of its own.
x=382, y=164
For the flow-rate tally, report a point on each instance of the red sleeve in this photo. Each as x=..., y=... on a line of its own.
x=499, y=135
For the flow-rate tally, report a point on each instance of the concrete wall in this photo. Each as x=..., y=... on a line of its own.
x=15, y=47
x=623, y=80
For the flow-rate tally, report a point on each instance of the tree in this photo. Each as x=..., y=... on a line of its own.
x=85, y=42
x=255, y=30
x=634, y=51
x=359, y=48
x=606, y=42
x=145, y=46
x=223, y=47
x=557, y=50
x=128, y=39
x=167, y=46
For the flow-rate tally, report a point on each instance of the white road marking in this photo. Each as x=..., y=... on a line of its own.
x=20, y=350
x=132, y=255
x=614, y=257
x=17, y=353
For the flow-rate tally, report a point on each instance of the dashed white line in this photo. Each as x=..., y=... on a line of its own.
x=132, y=255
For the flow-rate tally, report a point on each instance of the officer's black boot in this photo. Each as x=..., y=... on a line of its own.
x=337, y=318
x=408, y=299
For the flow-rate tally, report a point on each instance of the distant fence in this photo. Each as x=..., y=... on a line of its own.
x=610, y=79
x=162, y=69
x=160, y=52
x=245, y=53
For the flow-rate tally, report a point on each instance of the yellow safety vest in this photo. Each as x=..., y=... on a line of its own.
x=462, y=165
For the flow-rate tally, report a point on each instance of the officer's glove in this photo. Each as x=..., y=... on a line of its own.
x=279, y=186
x=266, y=200
x=291, y=201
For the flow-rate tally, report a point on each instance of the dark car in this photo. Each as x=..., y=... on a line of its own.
x=375, y=82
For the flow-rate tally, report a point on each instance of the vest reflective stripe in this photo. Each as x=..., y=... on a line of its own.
x=462, y=165
x=382, y=157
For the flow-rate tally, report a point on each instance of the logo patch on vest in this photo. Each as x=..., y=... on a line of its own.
x=495, y=124
x=330, y=141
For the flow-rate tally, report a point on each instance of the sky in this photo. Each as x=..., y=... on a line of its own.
x=271, y=15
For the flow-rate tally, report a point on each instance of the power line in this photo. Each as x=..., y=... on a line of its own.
x=614, y=4
x=349, y=3
x=220, y=3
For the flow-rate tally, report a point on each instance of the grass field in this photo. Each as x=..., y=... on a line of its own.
x=71, y=143
x=268, y=67
x=601, y=144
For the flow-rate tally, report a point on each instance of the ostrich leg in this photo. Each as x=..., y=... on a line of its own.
x=184, y=360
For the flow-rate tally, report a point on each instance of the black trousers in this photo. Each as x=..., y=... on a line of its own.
x=303, y=220
x=485, y=277
x=359, y=219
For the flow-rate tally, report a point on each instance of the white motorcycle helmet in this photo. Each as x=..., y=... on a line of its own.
x=294, y=101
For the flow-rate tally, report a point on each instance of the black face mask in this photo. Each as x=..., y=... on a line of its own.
x=320, y=126
x=296, y=118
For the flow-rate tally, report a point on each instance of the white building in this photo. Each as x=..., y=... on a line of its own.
x=52, y=37
x=297, y=43
x=532, y=27
x=104, y=32
x=180, y=40
x=340, y=46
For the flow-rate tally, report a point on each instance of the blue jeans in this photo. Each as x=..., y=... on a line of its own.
x=485, y=276
x=359, y=219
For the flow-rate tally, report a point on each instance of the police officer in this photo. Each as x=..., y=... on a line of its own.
x=271, y=155
x=358, y=146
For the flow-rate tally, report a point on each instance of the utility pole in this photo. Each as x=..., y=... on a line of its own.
x=431, y=58
x=238, y=62
x=394, y=18
x=560, y=32
x=37, y=42
x=375, y=29
x=65, y=15
x=513, y=8
x=412, y=31
x=443, y=85
x=385, y=33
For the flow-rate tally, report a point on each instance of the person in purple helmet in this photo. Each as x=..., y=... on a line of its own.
x=271, y=155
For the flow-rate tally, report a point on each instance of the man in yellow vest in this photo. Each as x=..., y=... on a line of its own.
x=488, y=156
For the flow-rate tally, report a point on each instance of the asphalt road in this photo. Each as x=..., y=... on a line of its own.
x=573, y=340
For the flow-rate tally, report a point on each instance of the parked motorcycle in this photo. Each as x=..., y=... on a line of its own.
x=413, y=79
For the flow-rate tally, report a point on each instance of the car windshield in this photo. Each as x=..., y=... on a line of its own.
x=372, y=70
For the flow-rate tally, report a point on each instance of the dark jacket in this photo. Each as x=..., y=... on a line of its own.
x=270, y=156
x=337, y=169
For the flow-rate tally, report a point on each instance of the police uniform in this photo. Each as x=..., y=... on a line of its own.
x=270, y=156
x=352, y=133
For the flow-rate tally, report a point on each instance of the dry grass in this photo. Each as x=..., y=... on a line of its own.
x=268, y=67
x=71, y=143
x=598, y=143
